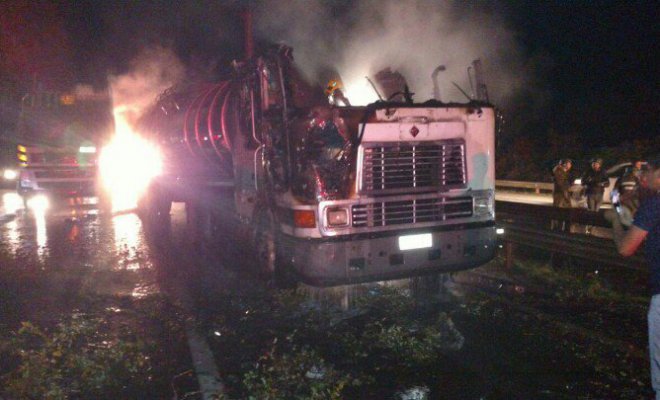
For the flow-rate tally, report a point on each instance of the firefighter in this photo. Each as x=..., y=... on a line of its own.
x=335, y=94
x=595, y=181
x=560, y=194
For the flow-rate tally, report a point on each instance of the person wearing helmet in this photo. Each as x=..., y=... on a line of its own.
x=595, y=181
x=645, y=228
x=560, y=194
x=335, y=94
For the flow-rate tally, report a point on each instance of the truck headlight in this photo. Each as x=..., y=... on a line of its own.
x=10, y=174
x=87, y=149
x=337, y=217
x=483, y=205
x=38, y=203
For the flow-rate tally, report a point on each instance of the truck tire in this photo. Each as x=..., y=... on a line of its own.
x=269, y=263
x=155, y=206
x=202, y=221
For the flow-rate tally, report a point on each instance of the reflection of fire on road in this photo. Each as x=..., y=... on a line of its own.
x=41, y=234
x=128, y=163
x=127, y=229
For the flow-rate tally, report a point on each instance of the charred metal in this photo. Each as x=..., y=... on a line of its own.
x=308, y=167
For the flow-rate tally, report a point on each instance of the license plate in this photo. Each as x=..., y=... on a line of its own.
x=412, y=242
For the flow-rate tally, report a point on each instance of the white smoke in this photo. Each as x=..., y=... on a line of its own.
x=150, y=73
x=412, y=37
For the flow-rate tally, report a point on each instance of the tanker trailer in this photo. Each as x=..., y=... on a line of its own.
x=324, y=193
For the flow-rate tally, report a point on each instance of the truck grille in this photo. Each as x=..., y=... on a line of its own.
x=398, y=168
x=65, y=173
x=387, y=213
x=79, y=188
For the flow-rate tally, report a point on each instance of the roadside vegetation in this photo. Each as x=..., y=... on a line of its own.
x=89, y=346
x=288, y=347
x=593, y=315
x=533, y=331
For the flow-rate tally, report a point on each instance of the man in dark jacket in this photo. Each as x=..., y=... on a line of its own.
x=646, y=228
x=595, y=181
x=560, y=194
x=628, y=186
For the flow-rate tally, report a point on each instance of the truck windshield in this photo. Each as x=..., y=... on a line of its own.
x=71, y=123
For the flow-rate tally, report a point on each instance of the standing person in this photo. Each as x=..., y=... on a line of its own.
x=560, y=193
x=595, y=181
x=628, y=186
x=646, y=225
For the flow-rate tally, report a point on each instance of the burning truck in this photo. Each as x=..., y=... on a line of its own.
x=324, y=191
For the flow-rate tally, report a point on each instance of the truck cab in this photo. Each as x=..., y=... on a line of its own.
x=350, y=194
x=58, y=135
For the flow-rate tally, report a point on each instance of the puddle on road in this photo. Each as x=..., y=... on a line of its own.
x=108, y=254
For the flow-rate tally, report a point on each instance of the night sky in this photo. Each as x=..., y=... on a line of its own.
x=592, y=63
x=602, y=69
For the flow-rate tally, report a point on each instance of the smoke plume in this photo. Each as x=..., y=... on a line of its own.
x=150, y=73
x=412, y=37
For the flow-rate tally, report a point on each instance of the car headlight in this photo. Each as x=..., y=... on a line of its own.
x=483, y=205
x=337, y=217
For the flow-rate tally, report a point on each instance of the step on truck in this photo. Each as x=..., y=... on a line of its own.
x=330, y=193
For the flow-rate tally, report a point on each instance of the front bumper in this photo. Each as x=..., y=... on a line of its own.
x=86, y=188
x=368, y=258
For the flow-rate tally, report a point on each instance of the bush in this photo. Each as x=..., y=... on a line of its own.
x=77, y=360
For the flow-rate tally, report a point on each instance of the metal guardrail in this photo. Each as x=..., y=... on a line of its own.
x=532, y=225
x=534, y=213
x=537, y=187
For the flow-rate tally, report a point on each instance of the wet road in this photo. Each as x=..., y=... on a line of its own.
x=75, y=237
x=92, y=251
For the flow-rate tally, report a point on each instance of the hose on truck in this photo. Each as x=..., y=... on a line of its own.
x=207, y=125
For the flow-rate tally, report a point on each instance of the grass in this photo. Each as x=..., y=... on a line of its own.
x=285, y=347
x=62, y=341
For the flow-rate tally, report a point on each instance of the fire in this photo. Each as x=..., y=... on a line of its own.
x=360, y=92
x=128, y=164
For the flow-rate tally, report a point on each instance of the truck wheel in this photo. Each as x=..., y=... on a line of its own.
x=155, y=206
x=104, y=203
x=265, y=245
x=269, y=263
x=202, y=220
